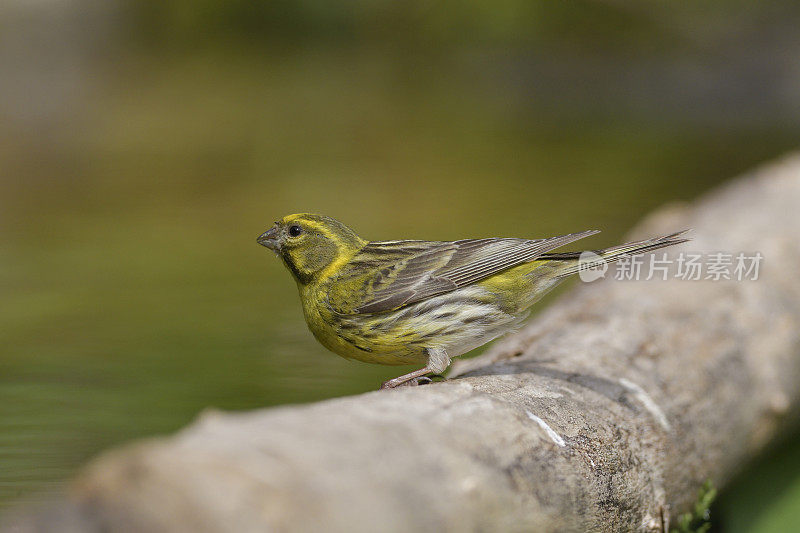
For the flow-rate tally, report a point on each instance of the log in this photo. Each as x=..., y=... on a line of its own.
x=605, y=413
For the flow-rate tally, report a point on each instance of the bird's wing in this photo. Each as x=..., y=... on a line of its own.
x=387, y=275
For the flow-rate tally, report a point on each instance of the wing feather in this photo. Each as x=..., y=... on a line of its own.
x=388, y=275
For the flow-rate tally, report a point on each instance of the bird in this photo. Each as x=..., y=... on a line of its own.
x=415, y=302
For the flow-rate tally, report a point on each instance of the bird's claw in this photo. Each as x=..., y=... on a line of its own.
x=413, y=382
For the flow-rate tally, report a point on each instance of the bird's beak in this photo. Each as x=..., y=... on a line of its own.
x=269, y=238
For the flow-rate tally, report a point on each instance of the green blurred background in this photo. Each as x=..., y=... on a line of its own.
x=144, y=144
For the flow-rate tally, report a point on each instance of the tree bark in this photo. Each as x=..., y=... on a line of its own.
x=606, y=413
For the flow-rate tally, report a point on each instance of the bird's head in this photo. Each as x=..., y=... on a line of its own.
x=308, y=244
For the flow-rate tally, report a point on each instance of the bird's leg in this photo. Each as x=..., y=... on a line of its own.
x=438, y=361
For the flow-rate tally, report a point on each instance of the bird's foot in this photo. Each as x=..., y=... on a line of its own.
x=413, y=382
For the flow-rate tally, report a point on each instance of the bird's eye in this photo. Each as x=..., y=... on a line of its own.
x=294, y=231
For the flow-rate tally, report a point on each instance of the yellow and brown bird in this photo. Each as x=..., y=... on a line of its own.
x=421, y=302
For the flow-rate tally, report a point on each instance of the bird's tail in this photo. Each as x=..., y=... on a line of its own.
x=577, y=261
